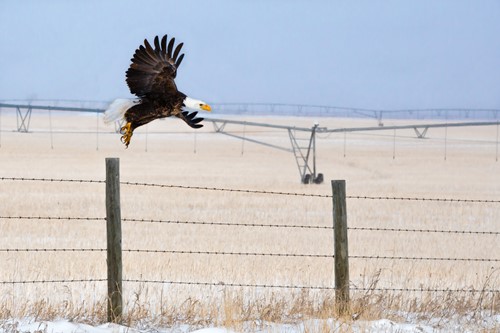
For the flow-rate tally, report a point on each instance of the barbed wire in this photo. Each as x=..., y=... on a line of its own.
x=222, y=253
x=206, y=188
x=60, y=180
x=422, y=258
x=171, y=252
x=249, y=224
x=248, y=285
x=262, y=225
x=58, y=218
x=53, y=250
x=308, y=255
x=427, y=290
x=224, y=284
x=308, y=194
x=229, y=224
x=421, y=199
x=251, y=285
x=249, y=254
x=308, y=226
x=425, y=230
x=54, y=281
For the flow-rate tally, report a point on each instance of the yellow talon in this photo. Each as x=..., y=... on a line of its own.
x=125, y=128
x=127, y=133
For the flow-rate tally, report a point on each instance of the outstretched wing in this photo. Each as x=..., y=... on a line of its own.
x=152, y=71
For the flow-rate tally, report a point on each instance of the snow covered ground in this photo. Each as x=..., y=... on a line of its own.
x=488, y=324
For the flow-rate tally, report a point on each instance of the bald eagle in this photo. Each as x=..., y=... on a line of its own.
x=151, y=78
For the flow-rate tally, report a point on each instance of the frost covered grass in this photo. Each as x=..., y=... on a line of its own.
x=418, y=170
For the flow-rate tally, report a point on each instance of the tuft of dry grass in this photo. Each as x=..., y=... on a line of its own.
x=237, y=311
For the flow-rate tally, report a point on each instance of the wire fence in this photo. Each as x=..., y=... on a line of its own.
x=327, y=256
x=250, y=285
x=247, y=254
x=280, y=193
x=257, y=225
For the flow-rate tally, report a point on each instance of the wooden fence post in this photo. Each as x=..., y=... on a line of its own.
x=340, y=247
x=114, y=240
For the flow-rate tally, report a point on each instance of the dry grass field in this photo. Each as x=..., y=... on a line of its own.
x=459, y=163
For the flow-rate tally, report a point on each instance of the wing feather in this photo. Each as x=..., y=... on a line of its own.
x=149, y=49
x=190, y=119
x=153, y=70
x=142, y=57
x=177, y=50
x=178, y=62
x=157, y=45
x=164, y=43
x=170, y=47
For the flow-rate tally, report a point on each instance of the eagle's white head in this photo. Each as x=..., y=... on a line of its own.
x=191, y=104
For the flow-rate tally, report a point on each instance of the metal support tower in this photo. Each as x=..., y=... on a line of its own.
x=303, y=154
x=23, y=119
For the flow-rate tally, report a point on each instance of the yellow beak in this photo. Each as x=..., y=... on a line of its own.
x=206, y=107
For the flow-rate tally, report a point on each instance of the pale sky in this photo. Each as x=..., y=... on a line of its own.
x=366, y=54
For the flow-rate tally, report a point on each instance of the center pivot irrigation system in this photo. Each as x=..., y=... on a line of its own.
x=303, y=149
x=305, y=152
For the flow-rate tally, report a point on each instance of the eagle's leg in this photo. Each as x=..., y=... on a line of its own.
x=127, y=133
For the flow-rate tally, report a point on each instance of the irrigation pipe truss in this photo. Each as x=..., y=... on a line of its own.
x=205, y=188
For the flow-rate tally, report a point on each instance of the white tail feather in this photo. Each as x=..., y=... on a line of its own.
x=116, y=110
